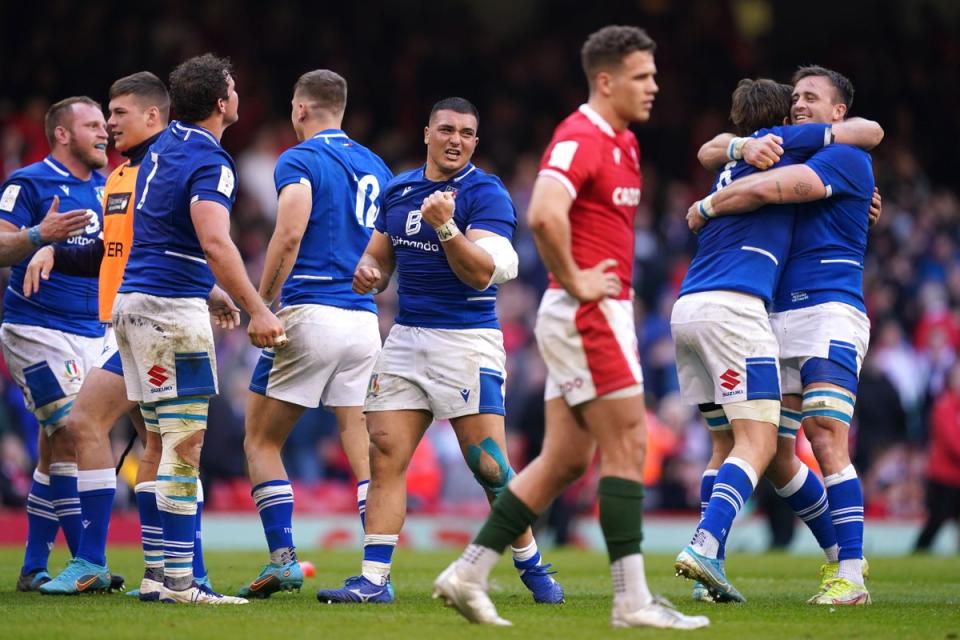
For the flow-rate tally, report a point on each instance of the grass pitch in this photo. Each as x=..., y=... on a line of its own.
x=914, y=597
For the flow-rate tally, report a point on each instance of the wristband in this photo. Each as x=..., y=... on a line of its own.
x=735, y=148
x=705, y=207
x=447, y=231
x=33, y=234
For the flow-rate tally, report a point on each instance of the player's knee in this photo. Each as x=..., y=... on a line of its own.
x=186, y=450
x=489, y=465
x=63, y=446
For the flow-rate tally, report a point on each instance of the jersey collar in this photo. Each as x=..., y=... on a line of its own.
x=193, y=128
x=51, y=162
x=467, y=170
x=597, y=120
x=327, y=134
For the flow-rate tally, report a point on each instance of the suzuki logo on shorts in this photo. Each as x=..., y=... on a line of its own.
x=157, y=375
x=731, y=379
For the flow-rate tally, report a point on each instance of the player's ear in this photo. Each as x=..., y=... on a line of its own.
x=426, y=135
x=153, y=115
x=840, y=111
x=602, y=83
x=61, y=134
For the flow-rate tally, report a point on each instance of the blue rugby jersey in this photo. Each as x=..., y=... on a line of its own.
x=746, y=253
x=65, y=302
x=185, y=165
x=346, y=181
x=430, y=293
x=830, y=235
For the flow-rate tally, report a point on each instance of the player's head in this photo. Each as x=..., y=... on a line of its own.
x=139, y=109
x=820, y=95
x=618, y=62
x=202, y=87
x=758, y=104
x=75, y=127
x=451, y=135
x=318, y=95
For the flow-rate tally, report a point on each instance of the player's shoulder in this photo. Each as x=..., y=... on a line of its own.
x=405, y=178
x=581, y=127
x=476, y=179
x=31, y=173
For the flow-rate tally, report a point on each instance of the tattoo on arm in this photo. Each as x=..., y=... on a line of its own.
x=276, y=274
x=779, y=193
x=802, y=188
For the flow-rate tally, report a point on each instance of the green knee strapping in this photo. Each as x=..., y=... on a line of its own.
x=505, y=474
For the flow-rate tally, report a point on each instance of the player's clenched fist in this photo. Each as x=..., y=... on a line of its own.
x=438, y=208
x=365, y=279
x=266, y=330
x=597, y=282
x=763, y=152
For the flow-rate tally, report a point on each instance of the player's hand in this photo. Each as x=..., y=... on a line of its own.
x=876, y=207
x=763, y=152
x=57, y=227
x=437, y=208
x=38, y=269
x=224, y=313
x=597, y=282
x=266, y=330
x=365, y=279
x=695, y=221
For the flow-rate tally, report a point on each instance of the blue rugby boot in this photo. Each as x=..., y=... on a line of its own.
x=80, y=576
x=709, y=572
x=358, y=590
x=274, y=578
x=539, y=580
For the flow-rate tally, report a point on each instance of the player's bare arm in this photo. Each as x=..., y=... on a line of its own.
x=785, y=185
x=212, y=223
x=762, y=152
x=548, y=216
x=475, y=265
x=375, y=265
x=293, y=213
x=17, y=244
x=224, y=313
x=858, y=132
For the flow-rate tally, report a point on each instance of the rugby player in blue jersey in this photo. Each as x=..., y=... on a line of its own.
x=185, y=190
x=819, y=316
x=51, y=340
x=329, y=195
x=726, y=350
x=446, y=228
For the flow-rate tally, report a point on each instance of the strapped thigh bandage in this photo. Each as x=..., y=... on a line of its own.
x=834, y=403
x=757, y=410
x=789, y=423
x=53, y=415
x=714, y=416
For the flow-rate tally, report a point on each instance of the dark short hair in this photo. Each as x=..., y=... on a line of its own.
x=841, y=83
x=606, y=48
x=197, y=84
x=757, y=104
x=459, y=105
x=146, y=86
x=324, y=88
x=61, y=114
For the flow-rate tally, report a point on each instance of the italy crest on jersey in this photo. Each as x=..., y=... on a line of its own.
x=99, y=191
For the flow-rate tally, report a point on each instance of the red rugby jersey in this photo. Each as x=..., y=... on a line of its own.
x=601, y=169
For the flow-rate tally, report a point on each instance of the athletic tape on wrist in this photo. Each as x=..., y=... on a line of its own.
x=447, y=231
x=34, y=235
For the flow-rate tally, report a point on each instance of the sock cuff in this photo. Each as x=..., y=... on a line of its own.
x=796, y=482
x=516, y=507
x=96, y=479
x=146, y=487
x=619, y=487
x=707, y=473
x=280, y=484
x=847, y=473
x=746, y=467
x=528, y=550
x=362, y=488
x=41, y=478
x=199, y=491
x=63, y=469
x=380, y=538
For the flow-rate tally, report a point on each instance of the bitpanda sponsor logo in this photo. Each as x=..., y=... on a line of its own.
x=422, y=245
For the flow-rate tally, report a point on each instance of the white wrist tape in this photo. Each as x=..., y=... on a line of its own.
x=735, y=148
x=447, y=231
x=506, y=262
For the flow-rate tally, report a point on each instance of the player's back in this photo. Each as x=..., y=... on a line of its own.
x=346, y=180
x=747, y=253
x=184, y=165
x=600, y=168
x=830, y=235
x=64, y=302
x=431, y=294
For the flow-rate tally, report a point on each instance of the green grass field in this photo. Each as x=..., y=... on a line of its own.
x=913, y=598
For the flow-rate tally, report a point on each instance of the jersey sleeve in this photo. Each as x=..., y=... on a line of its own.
x=491, y=209
x=214, y=180
x=804, y=139
x=571, y=160
x=292, y=168
x=844, y=171
x=18, y=204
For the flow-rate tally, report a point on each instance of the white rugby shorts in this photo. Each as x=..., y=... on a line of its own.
x=448, y=372
x=48, y=364
x=109, y=359
x=590, y=349
x=328, y=357
x=726, y=350
x=832, y=331
x=166, y=347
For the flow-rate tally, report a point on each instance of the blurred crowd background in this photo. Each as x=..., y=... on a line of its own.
x=518, y=60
